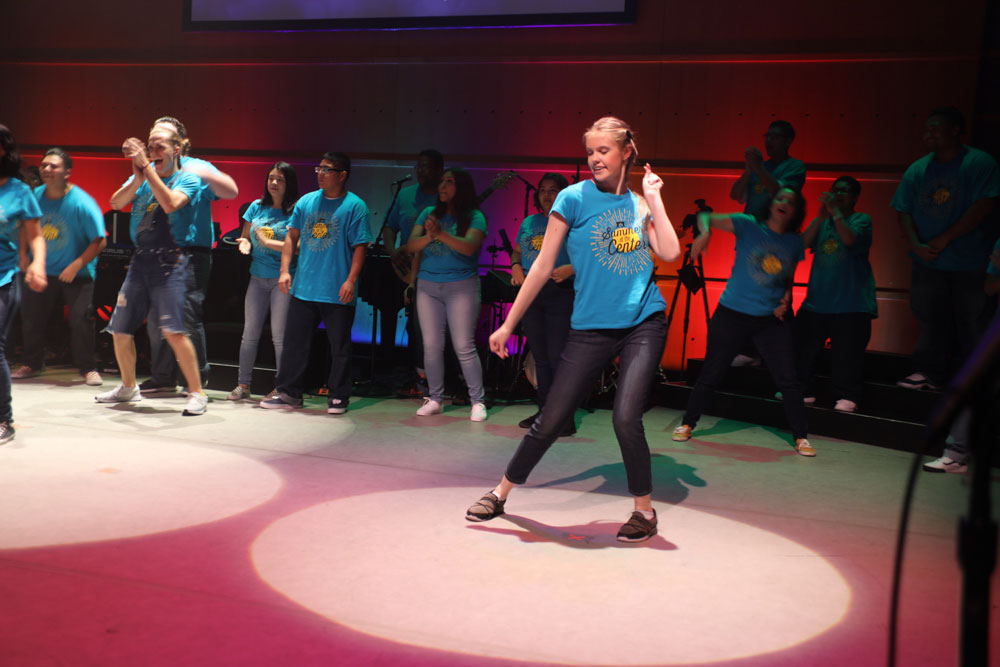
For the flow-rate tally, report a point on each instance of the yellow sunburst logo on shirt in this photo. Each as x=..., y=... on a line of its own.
x=626, y=239
x=268, y=232
x=50, y=232
x=941, y=196
x=536, y=242
x=319, y=230
x=771, y=265
x=830, y=246
x=759, y=188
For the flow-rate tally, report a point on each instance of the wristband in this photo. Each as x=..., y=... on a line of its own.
x=513, y=264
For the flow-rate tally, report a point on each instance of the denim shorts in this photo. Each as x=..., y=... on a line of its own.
x=155, y=280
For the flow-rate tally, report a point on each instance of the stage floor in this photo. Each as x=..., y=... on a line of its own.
x=134, y=536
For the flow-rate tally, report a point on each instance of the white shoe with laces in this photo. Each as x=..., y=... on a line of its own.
x=197, y=403
x=945, y=464
x=430, y=407
x=120, y=394
x=478, y=413
x=93, y=379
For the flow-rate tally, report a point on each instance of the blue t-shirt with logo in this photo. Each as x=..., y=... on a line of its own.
x=146, y=224
x=529, y=240
x=329, y=231
x=789, y=172
x=765, y=261
x=266, y=263
x=69, y=225
x=936, y=195
x=841, y=278
x=204, y=233
x=17, y=204
x=441, y=264
x=609, y=250
x=409, y=205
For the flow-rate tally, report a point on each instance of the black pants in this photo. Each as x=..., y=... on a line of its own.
x=35, y=309
x=849, y=334
x=728, y=331
x=303, y=318
x=586, y=354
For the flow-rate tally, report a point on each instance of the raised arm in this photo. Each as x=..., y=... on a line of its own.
x=662, y=237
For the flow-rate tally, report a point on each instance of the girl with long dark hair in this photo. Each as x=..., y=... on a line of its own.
x=265, y=224
x=448, y=237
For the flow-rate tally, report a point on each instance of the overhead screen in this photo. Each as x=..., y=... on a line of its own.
x=400, y=14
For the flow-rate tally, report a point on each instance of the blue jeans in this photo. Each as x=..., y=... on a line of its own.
x=262, y=295
x=303, y=318
x=454, y=305
x=197, y=273
x=546, y=325
x=728, y=332
x=10, y=298
x=586, y=354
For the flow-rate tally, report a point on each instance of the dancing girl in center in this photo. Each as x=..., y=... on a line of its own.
x=618, y=311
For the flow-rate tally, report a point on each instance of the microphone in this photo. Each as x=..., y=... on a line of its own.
x=402, y=180
x=508, y=248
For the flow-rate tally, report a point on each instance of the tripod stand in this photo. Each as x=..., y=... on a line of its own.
x=691, y=277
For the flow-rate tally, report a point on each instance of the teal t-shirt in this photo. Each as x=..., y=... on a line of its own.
x=266, y=263
x=204, y=232
x=765, y=260
x=181, y=221
x=609, y=251
x=936, y=195
x=409, y=205
x=991, y=270
x=441, y=264
x=789, y=172
x=17, y=204
x=69, y=225
x=329, y=231
x=529, y=240
x=841, y=278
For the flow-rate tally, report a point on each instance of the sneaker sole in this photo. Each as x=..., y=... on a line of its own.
x=479, y=519
x=336, y=411
x=631, y=540
x=189, y=413
x=117, y=400
x=283, y=406
x=680, y=438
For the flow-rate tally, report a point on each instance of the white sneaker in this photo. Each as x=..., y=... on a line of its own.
x=429, y=408
x=743, y=360
x=845, y=405
x=93, y=379
x=945, y=464
x=120, y=394
x=478, y=413
x=196, y=404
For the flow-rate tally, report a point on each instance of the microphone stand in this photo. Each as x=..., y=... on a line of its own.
x=397, y=186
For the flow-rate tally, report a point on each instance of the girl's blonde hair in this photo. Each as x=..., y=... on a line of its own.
x=622, y=134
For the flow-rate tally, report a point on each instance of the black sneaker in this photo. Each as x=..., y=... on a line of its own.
x=281, y=402
x=486, y=508
x=528, y=421
x=6, y=433
x=336, y=406
x=638, y=528
x=151, y=388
